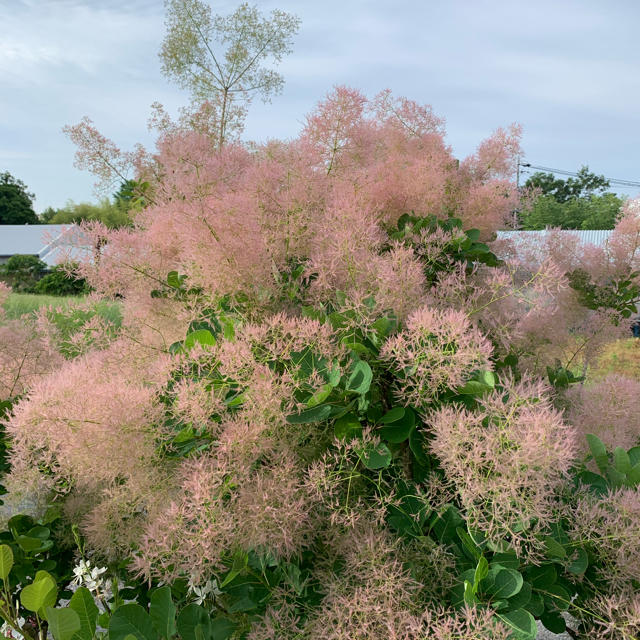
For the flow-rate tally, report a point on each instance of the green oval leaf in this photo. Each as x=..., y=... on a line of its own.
x=194, y=623
x=580, y=563
x=6, y=561
x=131, y=619
x=554, y=548
x=315, y=414
x=377, y=457
x=621, y=460
x=320, y=395
x=360, y=378
x=502, y=583
x=63, y=623
x=163, y=612
x=522, y=622
x=598, y=451
x=83, y=604
x=40, y=594
x=393, y=415
x=347, y=427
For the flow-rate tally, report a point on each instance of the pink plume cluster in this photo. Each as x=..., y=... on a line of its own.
x=610, y=525
x=25, y=357
x=508, y=461
x=437, y=350
x=228, y=220
x=609, y=409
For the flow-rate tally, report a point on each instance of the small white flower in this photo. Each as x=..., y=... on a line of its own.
x=88, y=576
x=202, y=593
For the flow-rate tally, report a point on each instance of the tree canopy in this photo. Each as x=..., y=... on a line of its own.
x=575, y=203
x=219, y=58
x=16, y=203
x=111, y=214
x=585, y=184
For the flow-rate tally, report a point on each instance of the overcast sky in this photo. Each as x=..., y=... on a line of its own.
x=567, y=71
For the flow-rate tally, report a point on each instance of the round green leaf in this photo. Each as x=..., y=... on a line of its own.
x=347, y=427
x=393, y=415
x=41, y=593
x=554, y=548
x=553, y=621
x=360, y=378
x=522, y=622
x=377, y=457
x=580, y=562
x=194, y=623
x=63, y=623
x=131, y=619
x=502, y=583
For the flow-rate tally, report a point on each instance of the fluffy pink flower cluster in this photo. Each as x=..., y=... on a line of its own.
x=436, y=351
x=25, y=357
x=609, y=409
x=229, y=220
x=610, y=526
x=508, y=461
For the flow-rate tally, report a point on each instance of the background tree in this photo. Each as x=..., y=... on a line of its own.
x=576, y=203
x=585, y=184
x=219, y=58
x=22, y=272
x=111, y=214
x=16, y=203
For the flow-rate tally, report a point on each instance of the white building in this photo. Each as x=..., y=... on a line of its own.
x=52, y=243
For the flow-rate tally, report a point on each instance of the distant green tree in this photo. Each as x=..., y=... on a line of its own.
x=593, y=212
x=16, y=203
x=47, y=215
x=583, y=185
x=575, y=203
x=111, y=214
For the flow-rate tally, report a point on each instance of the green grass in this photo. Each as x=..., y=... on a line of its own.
x=19, y=304
x=621, y=357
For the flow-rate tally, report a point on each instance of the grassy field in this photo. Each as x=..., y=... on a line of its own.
x=622, y=356
x=18, y=304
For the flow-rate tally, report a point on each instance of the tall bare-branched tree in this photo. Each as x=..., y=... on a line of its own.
x=220, y=59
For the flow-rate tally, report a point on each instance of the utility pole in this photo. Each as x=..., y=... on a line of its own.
x=516, y=211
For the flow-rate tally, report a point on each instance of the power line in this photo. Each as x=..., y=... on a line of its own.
x=564, y=172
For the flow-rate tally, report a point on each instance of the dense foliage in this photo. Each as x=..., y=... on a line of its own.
x=16, y=203
x=111, y=214
x=22, y=272
x=29, y=274
x=333, y=410
x=575, y=203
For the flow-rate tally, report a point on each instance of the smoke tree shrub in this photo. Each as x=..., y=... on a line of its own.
x=324, y=410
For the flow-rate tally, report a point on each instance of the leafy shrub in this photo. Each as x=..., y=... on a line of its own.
x=60, y=282
x=22, y=272
x=324, y=414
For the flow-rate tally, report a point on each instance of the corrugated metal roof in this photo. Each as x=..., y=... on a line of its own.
x=28, y=239
x=50, y=242
x=597, y=237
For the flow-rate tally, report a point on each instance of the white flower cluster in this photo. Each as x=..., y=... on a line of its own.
x=88, y=576
x=203, y=592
